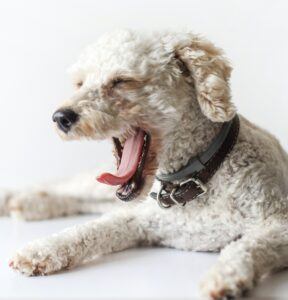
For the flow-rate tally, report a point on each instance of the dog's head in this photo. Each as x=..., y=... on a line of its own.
x=134, y=89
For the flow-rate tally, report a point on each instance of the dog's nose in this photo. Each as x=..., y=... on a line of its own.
x=65, y=118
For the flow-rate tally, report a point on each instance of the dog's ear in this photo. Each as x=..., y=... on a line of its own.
x=209, y=71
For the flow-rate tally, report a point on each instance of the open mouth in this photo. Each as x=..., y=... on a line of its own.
x=131, y=156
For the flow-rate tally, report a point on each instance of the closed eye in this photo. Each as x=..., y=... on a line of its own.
x=118, y=81
x=79, y=84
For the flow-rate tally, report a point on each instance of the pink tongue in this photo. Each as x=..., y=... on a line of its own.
x=129, y=161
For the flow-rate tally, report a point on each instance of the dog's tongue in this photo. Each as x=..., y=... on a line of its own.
x=131, y=154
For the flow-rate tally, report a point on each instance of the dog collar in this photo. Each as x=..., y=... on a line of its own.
x=190, y=181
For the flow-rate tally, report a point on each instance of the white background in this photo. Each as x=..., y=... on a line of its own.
x=40, y=39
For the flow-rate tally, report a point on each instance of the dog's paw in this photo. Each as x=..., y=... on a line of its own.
x=41, y=257
x=226, y=283
x=33, y=262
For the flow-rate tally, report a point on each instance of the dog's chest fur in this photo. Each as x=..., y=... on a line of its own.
x=237, y=194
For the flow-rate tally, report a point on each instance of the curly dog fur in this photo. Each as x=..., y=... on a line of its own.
x=176, y=86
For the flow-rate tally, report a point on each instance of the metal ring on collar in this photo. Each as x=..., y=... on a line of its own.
x=159, y=199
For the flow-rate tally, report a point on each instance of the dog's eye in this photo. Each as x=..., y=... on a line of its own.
x=79, y=84
x=118, y=81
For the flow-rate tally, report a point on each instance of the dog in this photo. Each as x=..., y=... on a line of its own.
x=219, y=182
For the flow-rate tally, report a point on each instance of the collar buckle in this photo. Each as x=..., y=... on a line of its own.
x=199, y=184
x=159, y=197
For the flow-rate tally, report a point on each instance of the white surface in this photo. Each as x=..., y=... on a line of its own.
x=132, y=274
x=40, y=39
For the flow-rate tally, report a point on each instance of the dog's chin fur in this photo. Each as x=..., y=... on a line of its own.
x=176, y=87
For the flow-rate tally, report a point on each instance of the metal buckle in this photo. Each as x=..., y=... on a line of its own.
x=199, y=184
x=159, y=201
x=174, y=199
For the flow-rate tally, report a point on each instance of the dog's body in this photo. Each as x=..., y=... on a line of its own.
x=177, y=90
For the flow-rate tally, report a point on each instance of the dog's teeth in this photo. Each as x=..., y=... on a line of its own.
x=126, y=135
x=133, y=131
x=122, y=140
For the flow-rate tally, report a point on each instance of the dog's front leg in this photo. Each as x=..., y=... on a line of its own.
x=243, y=262
x=110, y=233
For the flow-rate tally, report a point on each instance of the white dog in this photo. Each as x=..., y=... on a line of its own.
x=164, y=100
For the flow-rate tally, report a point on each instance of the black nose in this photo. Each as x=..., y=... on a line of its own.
x=65, y=118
